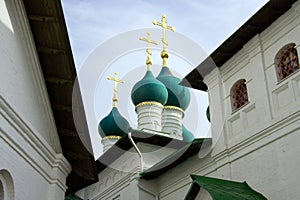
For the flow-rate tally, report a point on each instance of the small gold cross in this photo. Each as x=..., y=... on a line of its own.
x=116, y=81
x=164, y=26
x=149, y=53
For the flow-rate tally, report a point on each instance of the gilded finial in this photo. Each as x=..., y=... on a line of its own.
x=164, y=54
x=116, y=81
x=148, y=50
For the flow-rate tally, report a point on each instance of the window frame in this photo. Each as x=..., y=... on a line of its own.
x=278, y=61
x=235, y=87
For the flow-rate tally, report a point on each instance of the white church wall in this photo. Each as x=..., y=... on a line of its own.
x=254, y=116
x=217, y=115
x=24, y=89
x=118, y=181
x=270, y=100
x=37, y=171
x=284, y=94
x=121, y=177
x=177, y=181
x=272, y=168
x=29, y=144
x=178, y=194
x=152, y=154
x=147, y=189
x=267, y=162
x=259, y=141
x=145, y=195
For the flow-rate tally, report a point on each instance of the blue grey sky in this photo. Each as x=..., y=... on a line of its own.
x=90, y=23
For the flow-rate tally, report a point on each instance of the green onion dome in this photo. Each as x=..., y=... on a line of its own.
x=208, y=114
x=114, y=124
x=178, y=95
x=187, y=136
x=149, y=89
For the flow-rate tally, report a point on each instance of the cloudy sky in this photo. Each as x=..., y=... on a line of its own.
x=92, y=23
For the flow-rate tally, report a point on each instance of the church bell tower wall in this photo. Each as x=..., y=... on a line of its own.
x=172, y=121
x=149, y=115
x=109, y=141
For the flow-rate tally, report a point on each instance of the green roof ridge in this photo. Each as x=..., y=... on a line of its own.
x=221, y=189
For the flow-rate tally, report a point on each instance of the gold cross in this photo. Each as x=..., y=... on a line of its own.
x=164, y=26
x=149, y=41
x=116, y=81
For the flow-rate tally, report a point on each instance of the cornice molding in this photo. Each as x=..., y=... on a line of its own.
x=30, y=50
x=29, y=145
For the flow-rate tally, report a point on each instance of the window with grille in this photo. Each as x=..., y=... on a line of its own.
x=239, y=94
x=287, y=61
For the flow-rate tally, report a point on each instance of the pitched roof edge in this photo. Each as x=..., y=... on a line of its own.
x=176, y=158
x=255, y=25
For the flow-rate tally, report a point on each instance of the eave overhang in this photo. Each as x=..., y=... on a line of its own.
x=261, y=20
x=51, y=39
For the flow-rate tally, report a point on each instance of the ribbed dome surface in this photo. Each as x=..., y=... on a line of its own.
x=114, y=124
x=149, y=89
x=178, y=95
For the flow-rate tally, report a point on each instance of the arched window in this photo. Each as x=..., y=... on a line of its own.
x=6, y=185
x=287, y=61
x=1, y=190
x=239, y=94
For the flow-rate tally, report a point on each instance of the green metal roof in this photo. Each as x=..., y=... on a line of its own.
x=220, y=189
x=124, y=144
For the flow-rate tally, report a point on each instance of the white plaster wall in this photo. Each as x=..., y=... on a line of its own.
x=177, y=181
x=272, y=169
x=121, y=177
x=22, y=83
x=172, y=122
x=29, y=144
x=269, y=164
x=217, y=110
x=115, y=182
x=270, y=100
x=150, y=116
x=285, y=94
x=145, y=195
x=38, y=172
x=180, y=193
x=28, y=183
x=152, y=154
x=259, y=142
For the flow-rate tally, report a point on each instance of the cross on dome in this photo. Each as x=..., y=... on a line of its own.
x=116, y=81
x=149, y=41
x=163, y=24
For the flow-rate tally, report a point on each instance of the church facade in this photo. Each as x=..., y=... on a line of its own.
x=254, y=105
x=253, y=85
x=38, y=155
